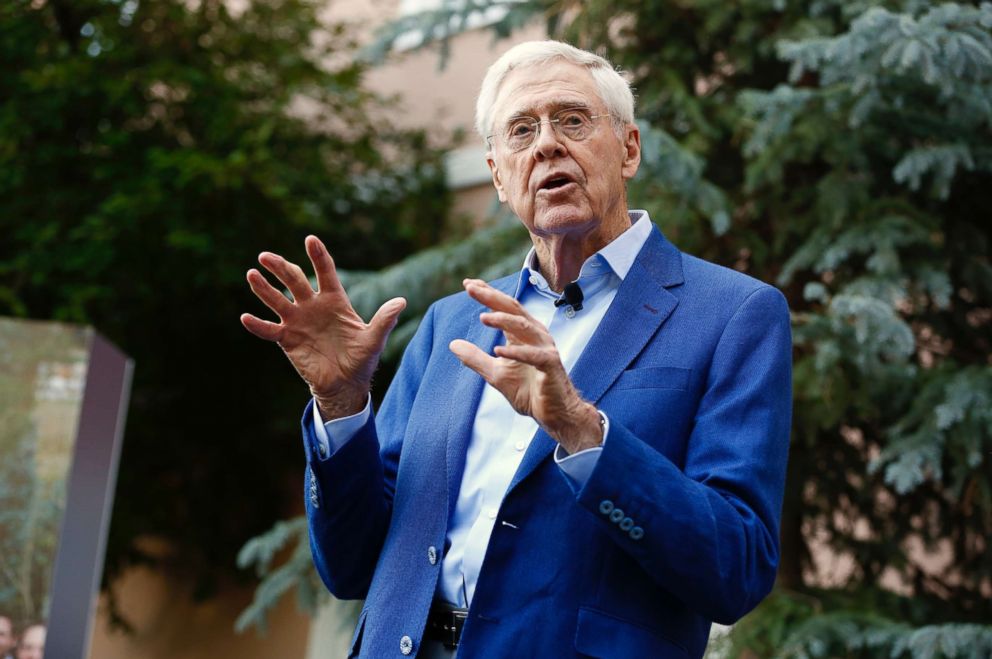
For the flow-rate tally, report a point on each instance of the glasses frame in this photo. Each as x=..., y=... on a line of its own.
x=554, y=120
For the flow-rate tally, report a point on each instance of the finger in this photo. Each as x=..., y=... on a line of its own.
x=323, y=265
x=290, y=274
x=384, y=320
x=482, y=292
x=473, y=357
x=265, y=292
x=516, y=328
x=263, y=329
x=536, y=356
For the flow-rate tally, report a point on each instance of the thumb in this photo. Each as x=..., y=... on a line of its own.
x=384, y=320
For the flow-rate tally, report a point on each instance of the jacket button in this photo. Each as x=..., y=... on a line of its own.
x=432, y=554
x=322, y=449
x=616, y=516
x=606, y=506
x=636, y=533
x=406, y=645
x=626, y=524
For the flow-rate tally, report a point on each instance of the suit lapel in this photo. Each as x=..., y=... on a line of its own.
x=633, y=318
x=640, y=307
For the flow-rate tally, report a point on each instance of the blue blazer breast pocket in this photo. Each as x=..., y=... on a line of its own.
x=656, y=403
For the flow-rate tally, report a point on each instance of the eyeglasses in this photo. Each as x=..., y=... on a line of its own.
x=574, y=123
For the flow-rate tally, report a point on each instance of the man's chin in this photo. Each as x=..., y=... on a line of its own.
x=563, y=219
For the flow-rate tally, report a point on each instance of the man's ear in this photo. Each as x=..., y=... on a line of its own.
x=497, y=183
x=632, y=151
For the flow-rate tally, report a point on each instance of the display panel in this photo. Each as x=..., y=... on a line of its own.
x=63, y=398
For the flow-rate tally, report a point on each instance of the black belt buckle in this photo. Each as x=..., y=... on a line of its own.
x=454, y=622
x=445, y=624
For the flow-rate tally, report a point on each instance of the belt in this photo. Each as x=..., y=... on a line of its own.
x=444, y=624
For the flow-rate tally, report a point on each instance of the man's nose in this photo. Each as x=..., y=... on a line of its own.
x=548, y=144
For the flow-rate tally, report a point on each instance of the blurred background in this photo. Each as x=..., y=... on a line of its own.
x=841, y=150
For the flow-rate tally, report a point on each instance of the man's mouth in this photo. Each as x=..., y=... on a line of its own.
x=555, y=182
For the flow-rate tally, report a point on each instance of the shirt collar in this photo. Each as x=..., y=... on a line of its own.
x=618, y=255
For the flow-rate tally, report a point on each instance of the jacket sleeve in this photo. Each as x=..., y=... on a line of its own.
x=349, y=495
x=708, y=532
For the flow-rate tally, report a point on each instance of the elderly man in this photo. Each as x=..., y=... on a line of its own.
x=585, y=458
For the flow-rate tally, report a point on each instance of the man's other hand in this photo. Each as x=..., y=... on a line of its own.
x=528, y=371
x=328, y=343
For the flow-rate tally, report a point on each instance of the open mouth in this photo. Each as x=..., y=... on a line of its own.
x=556, y=182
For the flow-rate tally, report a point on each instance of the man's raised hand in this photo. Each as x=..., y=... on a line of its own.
x=328, y=343
x=528, y=371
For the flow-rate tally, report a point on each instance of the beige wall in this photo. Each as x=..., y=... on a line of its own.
x=472, y=204
x=168, y=624
x=445, y=97
x=432, y=96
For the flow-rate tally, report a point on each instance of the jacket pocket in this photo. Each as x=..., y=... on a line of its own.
x=655, y=377
x=604, y=636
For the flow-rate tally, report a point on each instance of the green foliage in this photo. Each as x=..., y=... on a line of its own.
x=845, y=634
x=951, y=416
x=892, y=318
x=296, y=571
x=895, y=294
x=148, y=151
x=886, y=62
x=793, y=626
x=684, y=192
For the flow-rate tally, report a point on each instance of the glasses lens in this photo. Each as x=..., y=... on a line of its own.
x=521, y=133
x=575, y=124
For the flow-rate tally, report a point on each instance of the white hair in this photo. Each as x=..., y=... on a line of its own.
x=613, y=89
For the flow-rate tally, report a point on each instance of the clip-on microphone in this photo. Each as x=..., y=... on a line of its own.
x=572, y=296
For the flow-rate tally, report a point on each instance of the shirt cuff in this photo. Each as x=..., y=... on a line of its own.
x=335, y=433
x=578, y=466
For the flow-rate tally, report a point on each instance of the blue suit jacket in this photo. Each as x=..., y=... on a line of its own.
x=677, y=525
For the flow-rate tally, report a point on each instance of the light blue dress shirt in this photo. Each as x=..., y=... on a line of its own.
x=500, y=436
